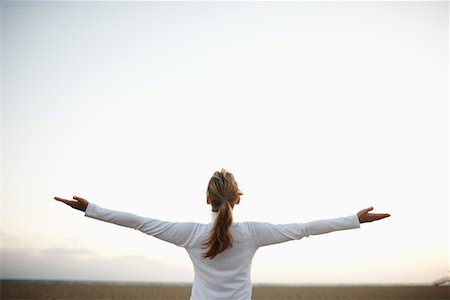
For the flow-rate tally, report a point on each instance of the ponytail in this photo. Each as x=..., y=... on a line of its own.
x=220, y=238
x=223, y=186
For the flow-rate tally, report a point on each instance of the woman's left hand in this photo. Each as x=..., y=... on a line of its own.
x=364, y=216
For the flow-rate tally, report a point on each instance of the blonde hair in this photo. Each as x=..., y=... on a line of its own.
x=223, y=193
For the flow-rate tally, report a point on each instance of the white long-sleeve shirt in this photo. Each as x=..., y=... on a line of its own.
x=227, y=276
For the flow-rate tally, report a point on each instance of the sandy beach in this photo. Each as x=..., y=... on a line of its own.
x=182, y=292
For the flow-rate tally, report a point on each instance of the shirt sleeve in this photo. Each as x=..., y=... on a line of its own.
x=267, y=234
x=178, y=233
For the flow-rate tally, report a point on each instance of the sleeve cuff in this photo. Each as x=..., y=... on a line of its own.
x=353, y=221
x=90, y=210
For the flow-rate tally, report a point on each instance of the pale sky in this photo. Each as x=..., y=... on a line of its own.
x=318, y=109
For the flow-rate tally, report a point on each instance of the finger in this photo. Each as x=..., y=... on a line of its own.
x=366, y=210
x=79, y=198
x=382, y=216
x=376, y=217
x=68, y=202
x=60, y=199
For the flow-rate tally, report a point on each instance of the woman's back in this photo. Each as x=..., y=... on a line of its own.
x=227, y=276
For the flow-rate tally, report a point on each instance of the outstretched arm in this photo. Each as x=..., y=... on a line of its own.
x=178, y=233
x=268, y=234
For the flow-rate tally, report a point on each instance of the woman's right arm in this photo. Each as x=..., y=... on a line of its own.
x=178, y=233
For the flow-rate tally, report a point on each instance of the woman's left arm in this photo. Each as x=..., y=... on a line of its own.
x=268, y=234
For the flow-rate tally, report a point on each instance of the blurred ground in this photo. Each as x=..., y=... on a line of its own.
x=162, y=292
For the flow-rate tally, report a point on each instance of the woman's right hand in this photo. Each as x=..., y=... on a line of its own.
x=79, y=203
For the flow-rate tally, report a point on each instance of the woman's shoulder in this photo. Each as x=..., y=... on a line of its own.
x=243, y=228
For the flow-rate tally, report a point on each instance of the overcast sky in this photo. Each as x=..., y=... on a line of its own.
x=318, y=109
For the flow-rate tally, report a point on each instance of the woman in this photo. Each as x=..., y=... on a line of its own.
x=222, y=251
